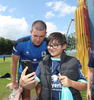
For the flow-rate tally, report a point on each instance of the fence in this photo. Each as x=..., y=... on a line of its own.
x=1, y=56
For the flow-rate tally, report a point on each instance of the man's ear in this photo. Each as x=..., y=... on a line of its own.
x=64, y=46
x=31, y=32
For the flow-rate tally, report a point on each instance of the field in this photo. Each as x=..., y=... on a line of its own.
x=5, y=68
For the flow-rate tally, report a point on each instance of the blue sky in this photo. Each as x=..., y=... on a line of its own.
x=17, y=16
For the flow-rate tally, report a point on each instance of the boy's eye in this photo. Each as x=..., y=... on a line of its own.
x=55, y=46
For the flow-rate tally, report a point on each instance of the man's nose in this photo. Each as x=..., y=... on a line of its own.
x=38, y=38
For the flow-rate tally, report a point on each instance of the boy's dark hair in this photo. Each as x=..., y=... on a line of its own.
x=57, y=36
x=39, y=25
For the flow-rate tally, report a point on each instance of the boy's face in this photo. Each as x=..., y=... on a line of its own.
x=55, y=49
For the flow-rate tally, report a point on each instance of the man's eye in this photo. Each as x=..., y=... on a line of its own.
x=35, y=36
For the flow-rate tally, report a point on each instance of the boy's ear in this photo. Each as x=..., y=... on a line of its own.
x=64, y=46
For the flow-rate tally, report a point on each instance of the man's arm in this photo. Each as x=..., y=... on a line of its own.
x=89, y=80
x=28, y=81
x=13, y=70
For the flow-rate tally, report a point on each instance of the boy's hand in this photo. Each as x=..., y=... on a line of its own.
x=26, y=80
x=65, y=81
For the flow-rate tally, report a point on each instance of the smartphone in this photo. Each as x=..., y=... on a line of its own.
x=29, y=64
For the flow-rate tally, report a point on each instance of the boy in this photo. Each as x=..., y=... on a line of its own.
x=57, y=70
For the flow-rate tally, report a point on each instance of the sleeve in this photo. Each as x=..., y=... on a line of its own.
x=38, y=74
x=91, y=59
x=80, y=75
x=17, y=48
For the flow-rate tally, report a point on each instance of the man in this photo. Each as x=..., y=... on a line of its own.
x=29, y=48
x=90, y=76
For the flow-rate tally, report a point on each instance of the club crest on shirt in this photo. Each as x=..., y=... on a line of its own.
x=43, y=54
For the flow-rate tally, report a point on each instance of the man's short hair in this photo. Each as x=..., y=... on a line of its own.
x=39, y=25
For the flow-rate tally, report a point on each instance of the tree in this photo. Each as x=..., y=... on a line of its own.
x=6, y=46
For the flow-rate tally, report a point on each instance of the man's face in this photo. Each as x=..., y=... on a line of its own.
x=37, y=36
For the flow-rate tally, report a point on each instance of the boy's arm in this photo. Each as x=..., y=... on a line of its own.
x=78, y=85
x=28, y=82
x=65, y=81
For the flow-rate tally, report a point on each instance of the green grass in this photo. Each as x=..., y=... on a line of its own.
x=6, y=68
x=83, y=94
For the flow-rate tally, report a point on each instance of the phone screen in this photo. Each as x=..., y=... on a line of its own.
x=29, y=64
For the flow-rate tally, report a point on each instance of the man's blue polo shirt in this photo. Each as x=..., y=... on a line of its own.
x=24, y=48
